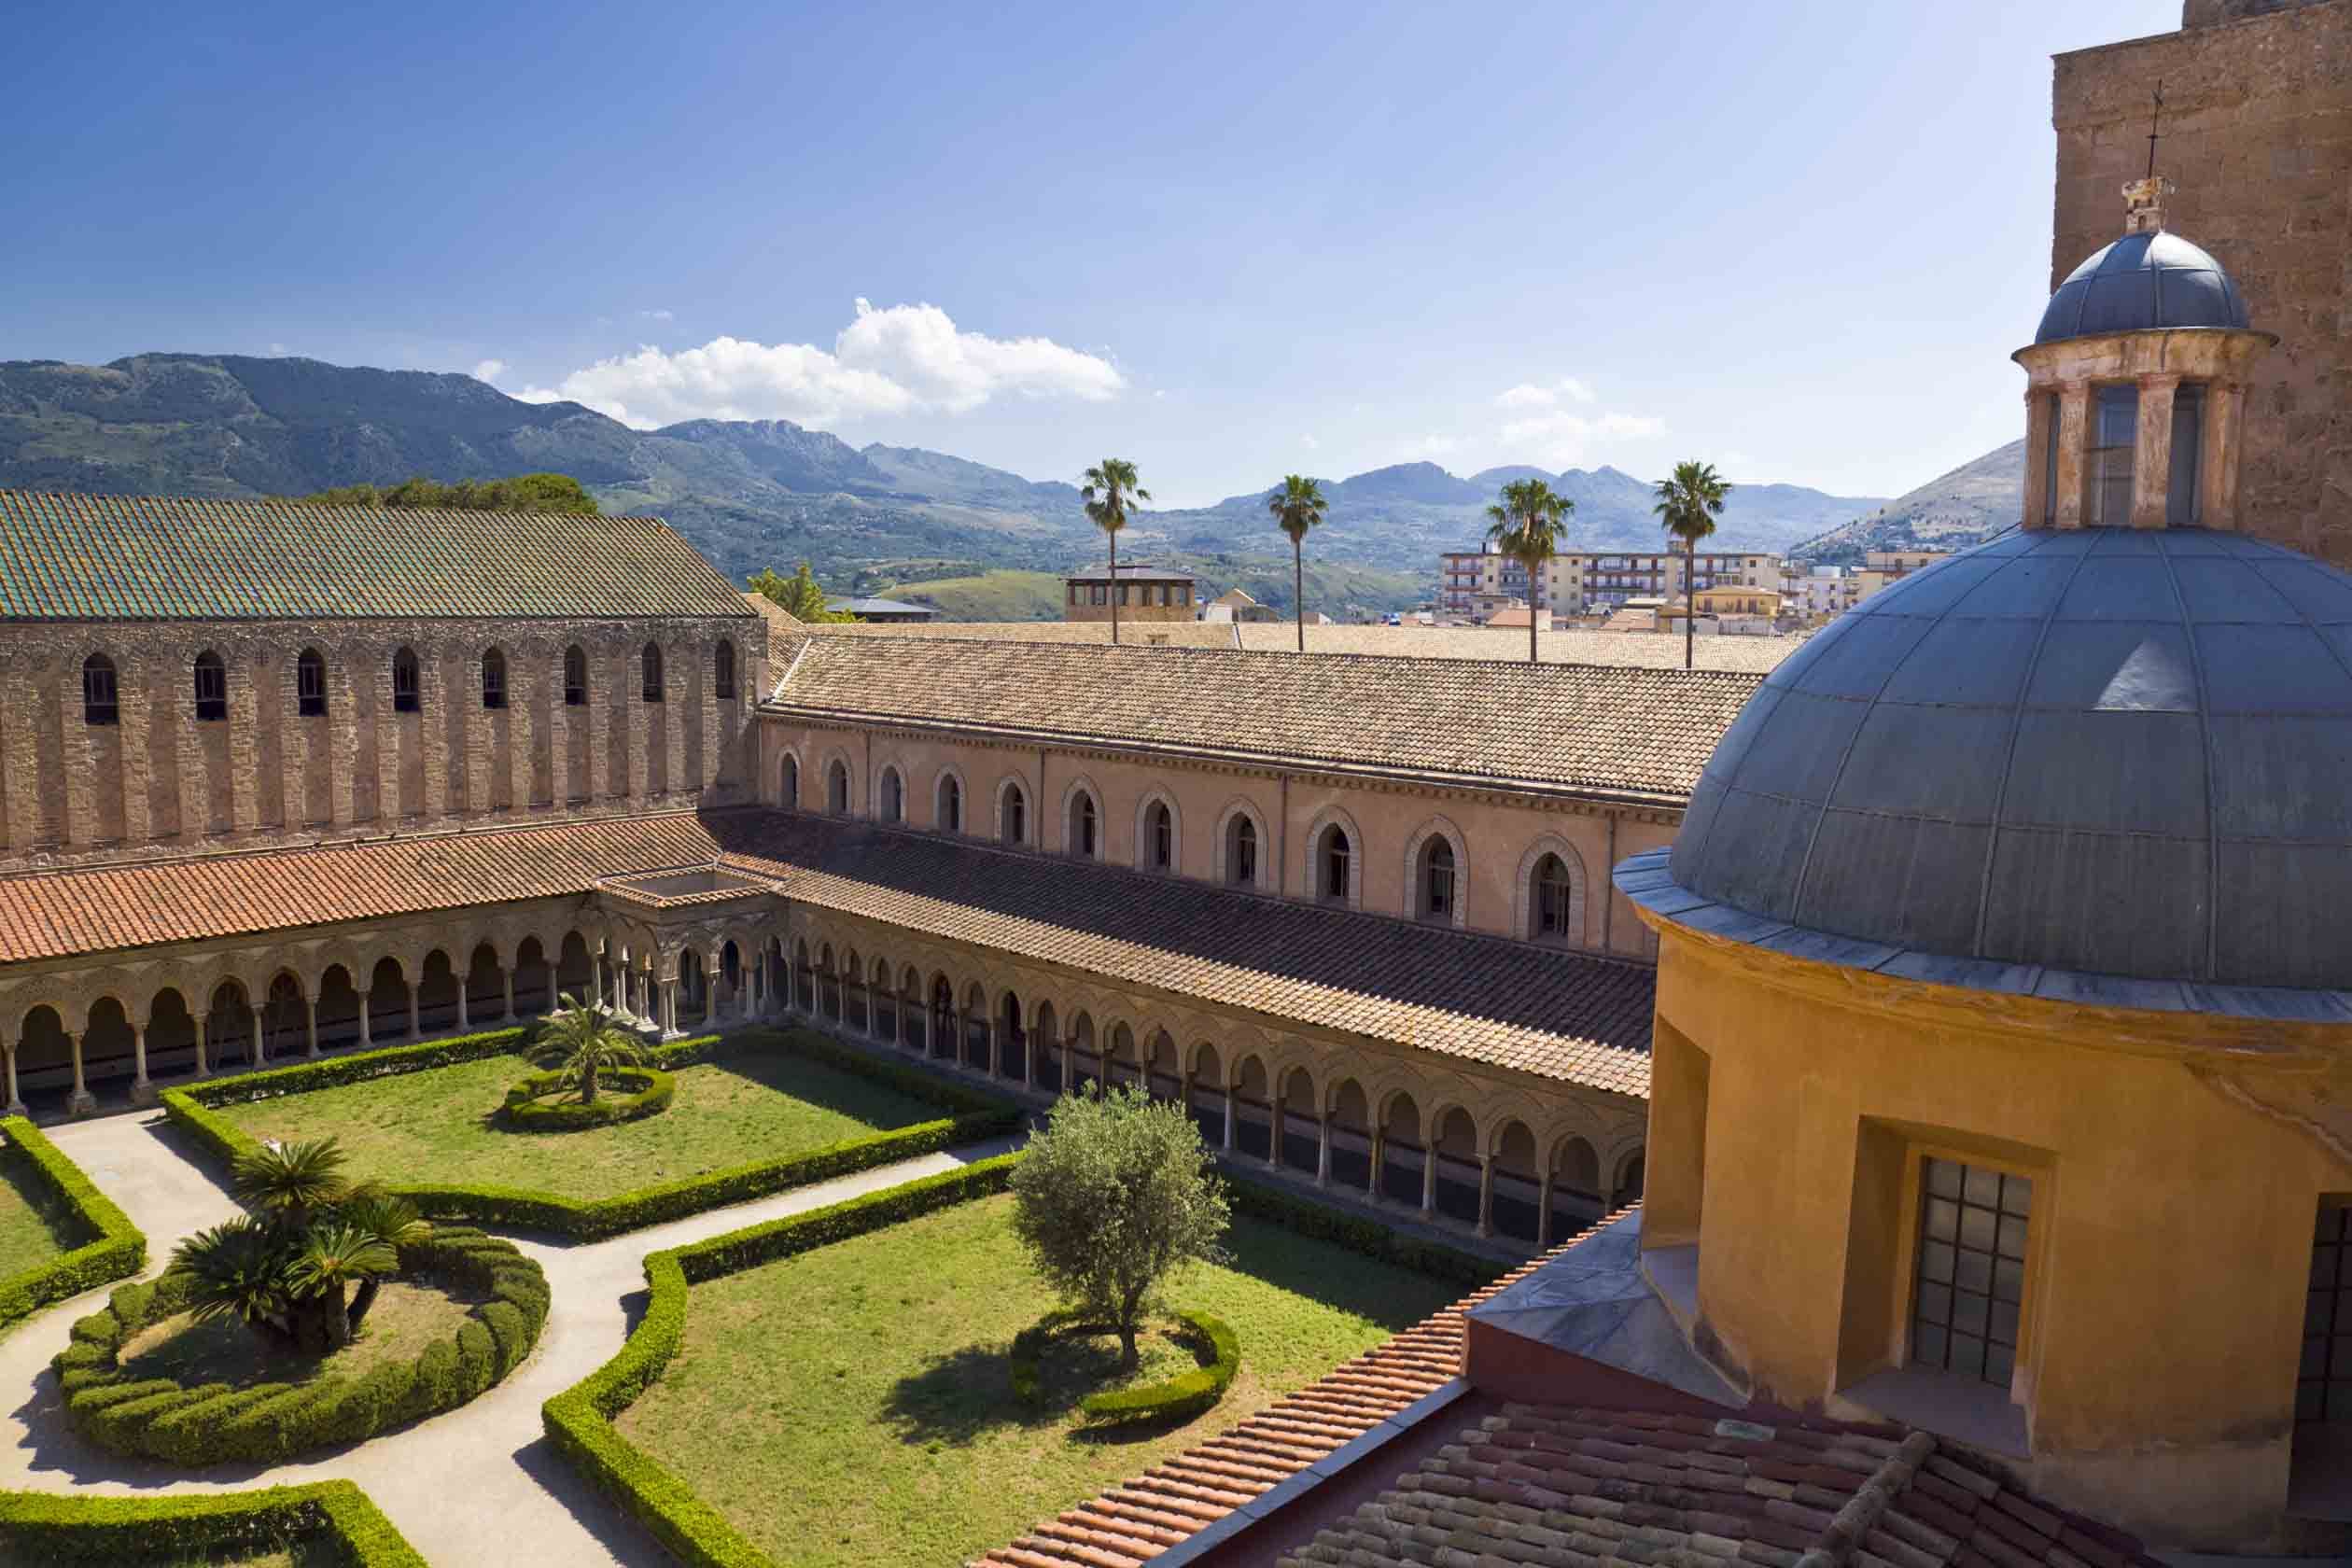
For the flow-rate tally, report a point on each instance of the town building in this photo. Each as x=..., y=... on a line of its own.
x=1143, y=592
x=1577, y=584
x=1233, y=605
x=883, y=611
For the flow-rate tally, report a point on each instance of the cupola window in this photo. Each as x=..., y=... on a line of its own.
x=404, y=686
x=99, y=703
x=575, y=676
x=211, y=687
x=1970, y=1291
x=2115, y=432
x=310, y=684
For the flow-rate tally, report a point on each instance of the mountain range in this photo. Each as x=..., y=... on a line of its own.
x=759, y=493
x=1950, y=511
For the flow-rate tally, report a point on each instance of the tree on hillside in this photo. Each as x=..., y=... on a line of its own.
x=1299, y=506
x=1108, y=492
x=1525, y=524
x=532, y=492
x=1687, y=506
x=1115, y=1193
x=799, y=596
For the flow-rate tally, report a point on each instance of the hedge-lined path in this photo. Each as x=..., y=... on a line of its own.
x=478, y=1484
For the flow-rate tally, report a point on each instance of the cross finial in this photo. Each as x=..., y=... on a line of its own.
x=2155, y=111
x=2144, y=199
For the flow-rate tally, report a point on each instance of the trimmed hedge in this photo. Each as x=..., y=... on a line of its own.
x=526, y=1111
x=116, y=1249
x=213, y=1423
x=106, y=1532
x=1187, y=1394
x=980, y=1115
x=579, y=1421
x=1360, y=1234
x=380, y=1062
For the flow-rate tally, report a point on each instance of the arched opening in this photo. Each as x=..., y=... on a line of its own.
x=975, y=1018
x=1455, y=1149
x=1576, y=1198
x=1335, y=865
x=1253, y=1109
x=1550, y=892
x=883, y=997
x=102, y=702
x=837, y=788
x=486, y=989
x=170, y=1034
x=1011, y=1039
x=1518, y=1191
x=534, y=979
x=804, y=996
x=1302, y=1134
x=1434, y=881
x=575, y=973
x=575, y=676
x=338, y=1009
x=651, y=663
x=211, y=687
x=1013, y=815
x=406, y=690
x=1160, y=837
x=285, y=1018
x=854, y=1001
x=1241, y=851
x=1047, y=1042
x=893, y=796
x=914, y=1024
x=829, y=984
x=1206, y=1100
x=693, y=989
x=1402, y=1152
x=1628, y=1180
x=1164, y=1070
x=1119, y=1063
x=723, y=671
x=310, y=683
x=45, y=1056
x=494, y=678
x=229, y=1025
x=1085, y=1062
x=1082, y=832
x=1351, y=1136
x=948, y=811
x=436, y=995
x=788, y=782
x=943, y=1016
x=107, y=1049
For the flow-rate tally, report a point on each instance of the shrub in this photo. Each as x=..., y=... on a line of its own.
x=1185, y=1395
x=213, y=1424
x=62, y=1528
x=1359, y=1234
x=381, y=1061
x=116, y=1249
x=643, y=1091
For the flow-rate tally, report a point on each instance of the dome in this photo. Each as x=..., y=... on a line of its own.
x=2112, y=751
x=2146, y=280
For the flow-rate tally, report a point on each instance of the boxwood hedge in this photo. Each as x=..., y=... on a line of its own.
x=1361, y=1234
x=977, y=1115
x=115, y=1248
x=334, y=1518
x=1185, y=1395
x=641, y=1091
x=212, y=1423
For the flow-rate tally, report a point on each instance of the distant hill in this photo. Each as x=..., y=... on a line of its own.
x=1950, y=511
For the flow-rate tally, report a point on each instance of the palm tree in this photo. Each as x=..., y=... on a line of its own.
x=332, y=1257
x=582, y=1042
x=284, y=1183
x=1526, y=525
x=393, y=1221
x=1299, y=506
x=1687, y=506
x=1110, y=488
x=239, y=1269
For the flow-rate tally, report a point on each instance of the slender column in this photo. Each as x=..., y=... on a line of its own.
x=309, y=1026
x=900, y=1015
x=1069, y=1064
x=1543, y=1213
x=142, y=1087
x=83, y=1102
x=1028, y=1063
x=204, y=1068
x=2074, y=431
x=1323, y=1149
x=416, y=1010
x=260, y=1055
x=1429, y=1182
x=1228, y=1118
x=1486, y=1194
x=463, y=981
x=2038, y=414
x=506, y=976
x=365, y=1039
x=2152, y=454
x=994, y=1035
x=669, y=1008
x=16, y=1103
x=2218, y=459
x=963, y=1037
x=1274, y=1128
x=1379, y=1153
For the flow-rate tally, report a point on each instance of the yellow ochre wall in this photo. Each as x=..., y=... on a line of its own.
x=2168, y=1248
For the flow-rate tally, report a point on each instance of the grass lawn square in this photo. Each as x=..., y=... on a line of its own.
x=854, y=1404
x=440, y=1125
x=36, y=1225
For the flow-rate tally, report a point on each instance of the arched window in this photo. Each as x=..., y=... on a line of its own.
x=1082, y=830
x=99, y=703
x=837, y=789
x=404, y=688
x=950, y=811
x=893, y=796
x=1015, y=815
x=1159, y=824
x=723, y=671
x=1549, y=893
x=575, y=676
x=652, y=672
x=1241, y=851
x=310, y=683
x=1335, y=863
x=211, y=687
x=493, y=690
x=788, y=782
x=1436, y=879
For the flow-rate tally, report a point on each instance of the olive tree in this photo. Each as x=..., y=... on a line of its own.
x=1115, y=1193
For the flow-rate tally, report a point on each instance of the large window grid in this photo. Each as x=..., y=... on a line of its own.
x=1970, y=1290
x=2323, y=1381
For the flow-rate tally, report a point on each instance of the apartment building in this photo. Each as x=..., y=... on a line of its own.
x=1595, y=582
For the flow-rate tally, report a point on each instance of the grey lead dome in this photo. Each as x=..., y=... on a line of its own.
x=2143, y=281
x=2119, y=751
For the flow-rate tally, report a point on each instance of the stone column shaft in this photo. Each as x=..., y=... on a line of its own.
x=1323, y=1149
x=309, y=1026
x=2074, y=435
x=204, y=1068
x=2152, y=454
x=1486, y=1194
x=83, y=1102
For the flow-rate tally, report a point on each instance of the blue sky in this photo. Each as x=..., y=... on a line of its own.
x=1227, y=241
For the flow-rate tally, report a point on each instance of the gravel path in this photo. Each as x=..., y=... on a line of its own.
x=478, y=1484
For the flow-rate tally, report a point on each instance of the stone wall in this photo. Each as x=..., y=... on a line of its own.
x=2257, y=135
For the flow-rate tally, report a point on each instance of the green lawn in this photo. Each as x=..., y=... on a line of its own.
x=405, y=1320
x=33, y=1230
x=852, y=1404
x=438, y=1125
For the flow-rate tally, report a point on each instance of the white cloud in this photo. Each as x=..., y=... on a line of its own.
x=899, y=359
x=278, y=349
x=659, y=314
x=1433, y=446
x=1528, y=394
x=489, y=369
x=1563, y=440
x=1309, y=442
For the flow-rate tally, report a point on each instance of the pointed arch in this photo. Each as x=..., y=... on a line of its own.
x=951, y=801
x=1014, y=812
x=1538, y=901
x=1159, y=833
x=1332, y=870
x=1233, y=845
x=1437, y=875
x=1081, y=821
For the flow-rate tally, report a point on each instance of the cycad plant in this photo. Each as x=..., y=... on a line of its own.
x=1109, y=492
x=286, y=1268
x=582, y=1041
x=1299, y=506
x=1526, y=524
x=1687, y=506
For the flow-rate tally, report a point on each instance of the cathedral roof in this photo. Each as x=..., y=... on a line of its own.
x=2149, y=280
x=165, y=558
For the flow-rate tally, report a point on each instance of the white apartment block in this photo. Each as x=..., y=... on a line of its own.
x=1593, y=583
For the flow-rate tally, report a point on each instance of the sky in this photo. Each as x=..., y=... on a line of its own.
x=1226, y=241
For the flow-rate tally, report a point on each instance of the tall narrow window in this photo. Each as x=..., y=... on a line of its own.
x=404, y=687
x=99, y=703
x=1438, y=881
x=1338, y=863
x=2114, y=436
x=1971, y=1285
x=2323, y=1383
x=1241, y=853
x=950, y=805
x=893, y=796
x=211, y=687
x=575, y=676
x=1163, y=832
x=837, y=789
x=1082, y=826
x=1015, y=815
x=2180, y=483
x=788, y=783
x=494, y=687
x=2049, y=463
x=653, y=661
x=1548, y=920
x=723, y=671
x=310, y=683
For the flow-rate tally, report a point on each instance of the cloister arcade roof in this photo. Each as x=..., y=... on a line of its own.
x=1639, y=735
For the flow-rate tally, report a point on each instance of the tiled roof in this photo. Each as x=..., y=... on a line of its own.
x=144, y=558
x=1142, y=1517
x=1506, y=1004
x=1623, y=734
x=1546, y=1485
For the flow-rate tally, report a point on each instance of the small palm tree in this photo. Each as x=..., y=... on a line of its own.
x=333, y=1257
x=240, y=1271
x=1526, y=524
x=1299, y=506
x=287, y=1182
x=393, y=1221
x=581, y=1040
x=1109, y=492
x=1687, y=506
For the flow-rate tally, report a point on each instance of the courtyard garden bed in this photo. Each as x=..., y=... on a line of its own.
x=328, y=1524
x=749, y=1114
x=547, y=1102
x=59, y=1234
x=837, y=1387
